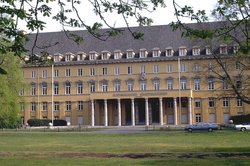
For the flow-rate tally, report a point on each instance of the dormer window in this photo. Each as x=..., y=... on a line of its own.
x=105, y=55
x=81, y=56
x=208, y=50
x=156, y=52
x=143, y=53
x=223, y=49
x=235, y=49
x=57, y=58
x=69, y=57
x=169, y=52
x=130, y=54
x=117, y=54
x=182, y=51
x=92, y=55
x=196, y=51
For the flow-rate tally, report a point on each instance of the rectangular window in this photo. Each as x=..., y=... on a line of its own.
x=117, y=55
x=198, y=118
x=56, y=106
x=21, y=93
x=104, y=87
x=143, y=69
x=105, y=71
x=237, y=65
x=45, y=106
x=196, y=51
x=130, y=86
x=92, y=87
x=183, y=84
x=68, y=105
x=22, y=107
x=44, y=73
x=79, y=88
x=224, y=84
x=117, y=71
x=170, y=104
x=156, y=85
x=197, y=83
x=143, y=86
x=67, y=72
x=80, y=105
x=33, y=90
x=33, y=106
x=33, y=74
x=91, y=71
x=130, y=70
x=169, y=84
x=182, y=52
x=169, y=68
x=183, y=68
x=239, y=102
x=210, y=83
x=155, y=69
x=197, y=68
x=169, y=52
x=156, y=53
x=67, y=88
x=225, y=101
x=56, y=89
x=117, y=86
x=44, y=89
x=211, y=102
x=79, y=72
x=56, y=73
x=197, y=103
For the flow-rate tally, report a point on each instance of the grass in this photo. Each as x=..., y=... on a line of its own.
x=159, y=148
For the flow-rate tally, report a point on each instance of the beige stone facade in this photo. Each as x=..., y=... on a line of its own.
x=123, y=89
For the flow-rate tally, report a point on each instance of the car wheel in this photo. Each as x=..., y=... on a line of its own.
x=210, y=130
x=243, y=129
x=189, y=130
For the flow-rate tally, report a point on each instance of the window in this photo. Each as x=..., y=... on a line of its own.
x=22, y=107
x=104, y=87
x=197, y=68
x=211, y=102
x=21, y=92
x=92, y=87
x=45, y=106
x=68, y=105
x=44, y=73
x=80, y=57
x=183, y=84
x=57, y=58
x=169, y=52
x=210, y=83
x=210, y=66
x=169, y=68
x=44, y=89
x=79, y=72
x=183, y=68
x=143, y=69
x=182, y=51
x=56, y=106
x=80, y=105
x=33, y=89
x=223, y=49
x=92, y=56
x=156, y=52
x=56, y=73
x=117, y=55
x=130, y=54
x=156, y=84
x=224, y=84
x=56, y=88
x=79, y=88
x=143, y=53
x=143, y=86
x=117, y=71
x=130, y=86
x=238, y=84
x=68, y=58
x=237, y=65
x=155, y=69
x=33, y=106
x=208, y=50
x=105, y=71
x=196, y=51
x=91, y=71
x=105, y=55
x=170, y=104
x=67, y=88
x=197, y=84
x=225, y=101
x=239, y=102
x=130, y=70
x=117, y=86
x=33, y=74
x=67, y=72
x=170, y=84
x=197, y=103
x=198, y=118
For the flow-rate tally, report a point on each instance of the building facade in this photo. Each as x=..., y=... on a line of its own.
x=133, y=83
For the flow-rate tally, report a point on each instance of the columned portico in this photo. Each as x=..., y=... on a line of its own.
x=190, y=110
x=175, y=112
x=92, y=113
x=161, y=111
x=146, y=112
x=119, y=112
x=132, y=112
x=105, y=113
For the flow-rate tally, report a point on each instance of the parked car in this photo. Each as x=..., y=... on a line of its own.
x=243, y=126
x=202, y=126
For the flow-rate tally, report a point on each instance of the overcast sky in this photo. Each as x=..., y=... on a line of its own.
x=161, y=16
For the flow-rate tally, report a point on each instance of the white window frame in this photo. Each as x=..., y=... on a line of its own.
x=197, y=84
x=79, y=72
x=117, y=71
x=68, y=106
x=169, y=68
x=117, y=86
x=130, y=70
x=170, y=84
x=92, y=71
x=67, y=73
x=156, y=69
x=79, y=88
x=225, y=102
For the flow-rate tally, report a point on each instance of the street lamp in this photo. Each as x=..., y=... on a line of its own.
x=52, y=89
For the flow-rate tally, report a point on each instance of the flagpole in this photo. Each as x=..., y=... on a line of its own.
x=179, y=77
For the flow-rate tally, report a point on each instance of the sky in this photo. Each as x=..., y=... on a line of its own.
x=161, y=16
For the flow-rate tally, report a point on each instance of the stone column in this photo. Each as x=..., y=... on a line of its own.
x=105, y=113
x=119, y=113
x=190, y=110
x=92, y=113
x=175, y=112
x=161, y=111
x=146, y=112
x=132, y=112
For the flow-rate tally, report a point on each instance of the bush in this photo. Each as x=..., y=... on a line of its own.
x=238, y=119
x=38, y=122
x=60, y=122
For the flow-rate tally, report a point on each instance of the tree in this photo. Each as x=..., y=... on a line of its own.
x=11, y=84
x=234, y=29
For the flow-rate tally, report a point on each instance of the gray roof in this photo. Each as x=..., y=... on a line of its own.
x=154, y=36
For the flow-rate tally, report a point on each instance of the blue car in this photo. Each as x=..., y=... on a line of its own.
x=202, y=126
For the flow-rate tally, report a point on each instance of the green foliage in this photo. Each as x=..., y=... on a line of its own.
x=239, y=119
x=11, y=84
x=38, y=122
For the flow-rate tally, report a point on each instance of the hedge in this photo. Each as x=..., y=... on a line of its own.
x=45, y=122
x=238, y=119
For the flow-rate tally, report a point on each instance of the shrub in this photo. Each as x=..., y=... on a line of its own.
x=38, y=122
x=238, y=119
x=60, y=122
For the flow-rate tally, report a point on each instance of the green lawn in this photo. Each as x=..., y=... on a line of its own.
x=198, y=148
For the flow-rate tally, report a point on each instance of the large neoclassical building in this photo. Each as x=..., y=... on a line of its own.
x=163, y=79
